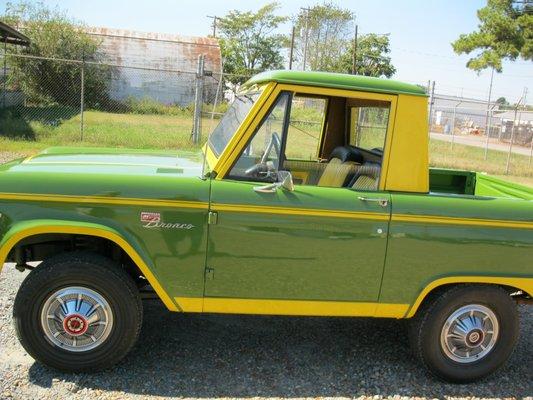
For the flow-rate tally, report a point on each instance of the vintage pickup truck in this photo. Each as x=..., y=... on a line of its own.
x=312, y=197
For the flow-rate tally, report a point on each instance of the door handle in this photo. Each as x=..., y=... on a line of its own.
x=382, y=202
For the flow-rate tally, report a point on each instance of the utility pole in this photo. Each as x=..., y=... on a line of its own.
x=354, y=61
x=487, y=125
x=215, y=19
x=306, y=9
x=292, y=46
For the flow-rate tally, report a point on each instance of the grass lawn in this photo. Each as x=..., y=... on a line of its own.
x=472, y=158
x=102, y=129
x=173, y=132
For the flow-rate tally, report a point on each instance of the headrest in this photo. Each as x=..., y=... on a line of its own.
x=347, y=153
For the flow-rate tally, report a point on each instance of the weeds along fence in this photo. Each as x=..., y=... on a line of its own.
x=75, y=100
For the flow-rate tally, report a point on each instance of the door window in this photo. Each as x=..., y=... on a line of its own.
x=261, y=157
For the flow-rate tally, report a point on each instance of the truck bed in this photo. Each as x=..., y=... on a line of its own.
x=475, y=184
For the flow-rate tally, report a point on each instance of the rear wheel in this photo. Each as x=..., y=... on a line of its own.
x=466, y=332
x=78, y=312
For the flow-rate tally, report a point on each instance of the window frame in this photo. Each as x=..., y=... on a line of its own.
x=258, y=126
x=323, y=123
x=223, y=170
x=351, y=124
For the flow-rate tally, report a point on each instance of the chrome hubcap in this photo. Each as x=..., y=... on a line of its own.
x=76, y=319
x=470, y=333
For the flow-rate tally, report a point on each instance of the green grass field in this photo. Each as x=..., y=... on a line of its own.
x=31, y=135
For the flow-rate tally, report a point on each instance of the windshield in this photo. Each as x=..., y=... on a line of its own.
x=231, y=121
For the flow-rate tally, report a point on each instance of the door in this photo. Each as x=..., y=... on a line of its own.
x=292, y=252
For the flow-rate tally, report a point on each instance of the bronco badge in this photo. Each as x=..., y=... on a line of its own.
x=153, y=220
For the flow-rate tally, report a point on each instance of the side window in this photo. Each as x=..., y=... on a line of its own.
x=368, y=124
x=262, y=154
x=305, y=128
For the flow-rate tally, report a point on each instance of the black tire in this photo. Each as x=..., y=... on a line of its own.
x=426, y=327
x=92, y=272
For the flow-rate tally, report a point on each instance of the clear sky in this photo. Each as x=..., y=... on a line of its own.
x=420, y=33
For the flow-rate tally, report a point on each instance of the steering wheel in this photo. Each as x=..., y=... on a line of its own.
x=264, y=166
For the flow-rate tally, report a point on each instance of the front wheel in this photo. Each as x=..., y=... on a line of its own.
x=78, y=312
x=466, y=332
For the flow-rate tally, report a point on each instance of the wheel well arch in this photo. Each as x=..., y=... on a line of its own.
x=46, y=231
x=41, y=246
x=511, y=285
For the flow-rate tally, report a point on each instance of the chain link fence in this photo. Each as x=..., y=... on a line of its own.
x=503, y=137
x=68, y=102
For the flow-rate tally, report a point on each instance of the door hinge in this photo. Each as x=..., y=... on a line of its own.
x=209, y=273
x=212, y=218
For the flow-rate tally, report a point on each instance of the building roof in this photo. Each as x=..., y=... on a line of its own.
x=520, y=115
x=12, y=36
x=337, y=81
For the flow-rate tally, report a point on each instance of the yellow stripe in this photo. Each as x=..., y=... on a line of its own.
x=292, y=307
x=425, y=219
x=431, y=219
x=190, y=304
x=12, y=241
x=524, y=284
x=299, y=211
x=103, y=200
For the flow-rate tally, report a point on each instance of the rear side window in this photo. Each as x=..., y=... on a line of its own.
x=369, y=120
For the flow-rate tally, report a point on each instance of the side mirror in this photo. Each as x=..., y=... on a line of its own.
x=284, y=181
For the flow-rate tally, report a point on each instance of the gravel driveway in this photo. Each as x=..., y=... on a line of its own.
x=210, y=356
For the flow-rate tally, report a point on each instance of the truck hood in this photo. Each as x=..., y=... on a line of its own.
x=101, y=171
x=113, y=161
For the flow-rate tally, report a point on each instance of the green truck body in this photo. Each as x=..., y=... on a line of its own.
x=208, y=242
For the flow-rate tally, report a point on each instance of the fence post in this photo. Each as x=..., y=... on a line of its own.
x=198, y=101
x=215, y=104
x=4, y=77
x=431, y=101
x=511, y=141
x=453, y=122
x=82, y=97
x=530, y=152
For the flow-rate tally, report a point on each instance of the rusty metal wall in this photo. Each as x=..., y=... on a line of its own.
x=156, y=51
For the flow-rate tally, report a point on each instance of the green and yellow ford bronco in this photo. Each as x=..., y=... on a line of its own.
x=312, y=197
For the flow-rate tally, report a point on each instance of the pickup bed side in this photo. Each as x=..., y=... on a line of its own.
x=438, y=236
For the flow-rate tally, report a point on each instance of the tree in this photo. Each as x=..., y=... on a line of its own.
x=371, y=56
x=502, y=101
x=248, y=42
x=328, y=29
x=505, y=32
x=53, y=35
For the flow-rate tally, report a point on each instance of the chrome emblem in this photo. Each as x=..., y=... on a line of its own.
x=152, y=220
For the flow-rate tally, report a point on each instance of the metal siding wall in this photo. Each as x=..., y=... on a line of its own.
x=161, y=53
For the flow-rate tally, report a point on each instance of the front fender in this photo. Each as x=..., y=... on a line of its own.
x=22, y=230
